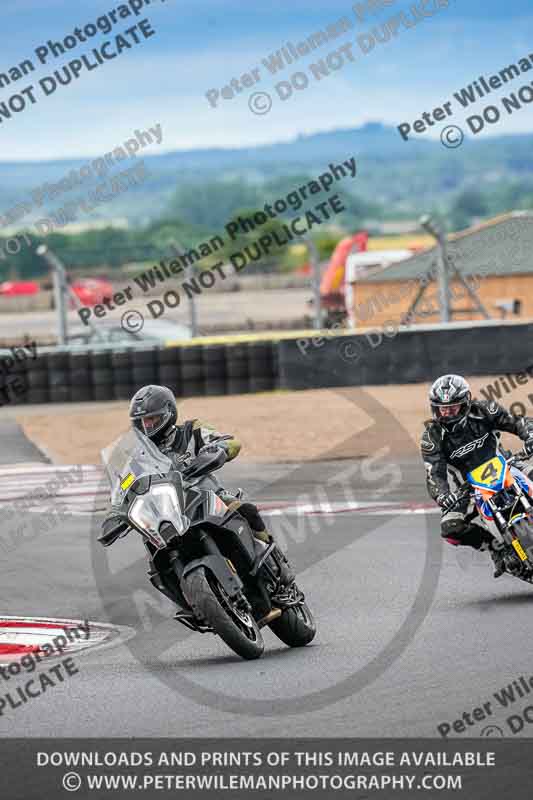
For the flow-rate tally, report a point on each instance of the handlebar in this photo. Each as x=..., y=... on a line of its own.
x=205, y=462
x=517, y=457
x=464, y=490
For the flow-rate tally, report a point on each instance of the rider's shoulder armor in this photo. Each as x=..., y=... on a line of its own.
x=485, y=408
x=431, y=437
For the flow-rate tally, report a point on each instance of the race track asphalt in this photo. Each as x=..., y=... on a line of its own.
x=410, y=634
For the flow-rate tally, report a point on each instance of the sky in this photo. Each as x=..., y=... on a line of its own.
x=200, y=47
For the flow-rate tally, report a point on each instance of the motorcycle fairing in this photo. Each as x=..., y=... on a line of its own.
x=494, y=476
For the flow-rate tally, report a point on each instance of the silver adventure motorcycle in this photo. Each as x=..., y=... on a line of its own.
x=202, y=554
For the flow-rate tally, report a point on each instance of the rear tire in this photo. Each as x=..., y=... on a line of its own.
x=238, y=630
x=296, y=626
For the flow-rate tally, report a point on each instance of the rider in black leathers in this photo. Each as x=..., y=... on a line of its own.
x=462, y=435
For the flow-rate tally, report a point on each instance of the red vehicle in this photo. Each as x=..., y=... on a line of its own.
x=18, y=288
x=91, y=291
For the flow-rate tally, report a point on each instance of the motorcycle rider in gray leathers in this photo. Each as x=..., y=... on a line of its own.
x=153, y=412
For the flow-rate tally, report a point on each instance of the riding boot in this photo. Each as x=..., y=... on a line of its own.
x=480, y=538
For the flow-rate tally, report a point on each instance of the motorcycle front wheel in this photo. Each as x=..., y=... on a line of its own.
x=230, y=619
x=296, y=626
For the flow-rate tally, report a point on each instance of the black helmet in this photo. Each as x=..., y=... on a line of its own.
x=450, y=399
x=153, y=411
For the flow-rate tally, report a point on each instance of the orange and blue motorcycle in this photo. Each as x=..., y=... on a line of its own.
x=503, y=496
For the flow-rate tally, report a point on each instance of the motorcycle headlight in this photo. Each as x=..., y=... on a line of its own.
x=159, y=505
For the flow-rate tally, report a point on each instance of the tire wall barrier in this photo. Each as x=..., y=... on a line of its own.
x=193, y=370
x=413, y=356
x=370, y=359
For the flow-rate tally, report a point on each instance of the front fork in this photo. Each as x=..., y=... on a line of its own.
x=273, y=567
x=508, y=534
x=526, y=503
x=170, y=589
x=166, y=576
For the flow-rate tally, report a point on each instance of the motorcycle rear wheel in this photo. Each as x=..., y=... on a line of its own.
x=236, y=627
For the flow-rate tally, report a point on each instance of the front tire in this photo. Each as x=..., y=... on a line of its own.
x=236, y=627
x=296, y=626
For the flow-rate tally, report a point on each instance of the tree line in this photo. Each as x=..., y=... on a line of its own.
x=196, y=212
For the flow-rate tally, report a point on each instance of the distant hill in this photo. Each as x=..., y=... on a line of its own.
x=404, y=177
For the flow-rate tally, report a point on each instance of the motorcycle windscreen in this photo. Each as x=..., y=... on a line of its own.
x=129, y=458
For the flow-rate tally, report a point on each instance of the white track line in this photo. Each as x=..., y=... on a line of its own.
x=19, y=482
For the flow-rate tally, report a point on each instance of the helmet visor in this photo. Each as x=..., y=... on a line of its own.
x=152, y=423
x=447, y=411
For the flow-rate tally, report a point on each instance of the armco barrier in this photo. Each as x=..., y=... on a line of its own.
x=189, y=370
x=412, y=356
